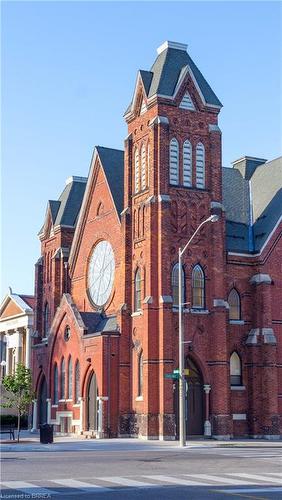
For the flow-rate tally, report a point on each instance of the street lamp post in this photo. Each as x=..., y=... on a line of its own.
x=182, y=429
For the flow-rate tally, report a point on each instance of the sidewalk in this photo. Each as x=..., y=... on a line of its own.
x=28, y=439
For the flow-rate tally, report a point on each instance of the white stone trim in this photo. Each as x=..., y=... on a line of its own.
x=239, y=416
x=237, y=388
x=236, y=322
x=166, y=299
x=172, y=45
x=136, y=313
x=139, y=398
x=256, y=279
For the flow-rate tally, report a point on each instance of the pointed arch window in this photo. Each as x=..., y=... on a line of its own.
x=140, y=375
x=235, y=369
x=63, y=380
x=234, y=305
x=143, y=167
x=198, y=287
x=148, y=164
x=175, y=285
x=200, y=166
x=174, y=162
x=46, y=319
x=55, y=386
x=137, y=173
x=137, y=290
x=187, y=164
x=77, y=382
x=69, y=395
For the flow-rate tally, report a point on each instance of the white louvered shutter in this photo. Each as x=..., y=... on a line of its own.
x=173, y=162
x=187, y=164
x=187, y=102
x=200, y=166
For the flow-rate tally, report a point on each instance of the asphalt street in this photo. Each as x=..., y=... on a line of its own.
x=132, y=469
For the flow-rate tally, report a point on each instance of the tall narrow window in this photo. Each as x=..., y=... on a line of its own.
x=173, y=162
x=143, y=167
x=175, y=285
x=200, y=166
x=63, y=380
x=148, y=165
x=77, y=382
x=137, y=291
x=198, y=287
x=55, y=393
x=46, y=320
x=187, y=164
x=235, y=369
x=234, y=305
x=70, y=379
x=137, y=173
x=140, y=374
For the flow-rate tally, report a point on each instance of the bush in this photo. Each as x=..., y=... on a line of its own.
x=13, y=419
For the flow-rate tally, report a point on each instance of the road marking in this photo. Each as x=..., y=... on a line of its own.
x=220, y=479
x=124, y=481
x=252, y=490
x=28, y=488
x=73, y=483
x=176, y=480
x=257, y=477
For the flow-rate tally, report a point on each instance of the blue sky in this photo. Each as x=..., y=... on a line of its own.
x=68, y=74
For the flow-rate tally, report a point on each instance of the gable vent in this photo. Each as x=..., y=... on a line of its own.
x=143, y=107
x=187, y=103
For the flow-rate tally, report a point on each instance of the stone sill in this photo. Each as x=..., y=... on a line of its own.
x=139, y=398
x=137, y=313
x=199, y=311
x=76, y=405
x=236, y=322
x=54, y=406
x=237, y=388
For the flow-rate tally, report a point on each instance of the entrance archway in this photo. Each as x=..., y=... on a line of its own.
x=42, y=409
x=92, y=394
x=194, y=403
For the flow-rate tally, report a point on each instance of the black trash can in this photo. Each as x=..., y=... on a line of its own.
x=46, y=433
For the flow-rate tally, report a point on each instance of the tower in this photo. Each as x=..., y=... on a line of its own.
x=172, y=182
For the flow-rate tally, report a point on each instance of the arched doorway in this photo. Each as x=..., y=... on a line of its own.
x=42, y=409
x=194, y=401
x=92, y=394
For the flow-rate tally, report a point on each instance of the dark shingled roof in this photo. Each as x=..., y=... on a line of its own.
x=164, y=75
x=253, y=205
x=98, y=323
x=71, y=199
x=113, y=164
x=64, y=212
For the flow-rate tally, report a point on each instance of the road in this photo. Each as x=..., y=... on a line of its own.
x=132, y=469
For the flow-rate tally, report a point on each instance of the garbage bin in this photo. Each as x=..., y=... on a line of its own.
x=46, y=433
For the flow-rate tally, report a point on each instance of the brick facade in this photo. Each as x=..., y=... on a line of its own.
x=153, y=224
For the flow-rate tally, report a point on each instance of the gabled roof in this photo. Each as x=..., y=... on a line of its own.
x=170, y=65
x=23, y=304
x=253, y=204
x=113, y=164
x=65, y=210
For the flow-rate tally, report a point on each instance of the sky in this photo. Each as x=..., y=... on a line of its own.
x=68, y=74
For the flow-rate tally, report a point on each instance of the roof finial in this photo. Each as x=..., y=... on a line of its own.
x=172, y=45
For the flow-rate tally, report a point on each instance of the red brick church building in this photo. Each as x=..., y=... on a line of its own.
x=106, y=284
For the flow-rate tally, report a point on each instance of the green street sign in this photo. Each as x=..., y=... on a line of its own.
x=176, y=371
x=173, y=376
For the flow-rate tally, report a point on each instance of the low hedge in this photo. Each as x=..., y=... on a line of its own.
x=13, y=419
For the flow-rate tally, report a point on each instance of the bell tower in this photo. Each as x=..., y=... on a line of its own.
x=172, y=183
